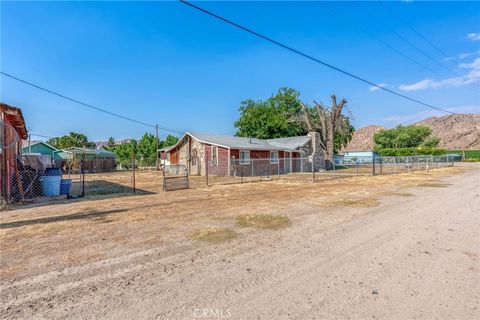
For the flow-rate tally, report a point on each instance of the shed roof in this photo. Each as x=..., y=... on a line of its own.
x=32, y=143
x=16, y=116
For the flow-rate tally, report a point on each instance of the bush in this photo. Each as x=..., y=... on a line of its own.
x=401, y=152
x=469, y=154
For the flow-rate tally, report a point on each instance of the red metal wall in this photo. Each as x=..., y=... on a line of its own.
x=222, y=168
x=10, y=150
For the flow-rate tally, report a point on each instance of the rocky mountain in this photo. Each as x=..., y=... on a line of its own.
x=457, y=131
x=362, y=139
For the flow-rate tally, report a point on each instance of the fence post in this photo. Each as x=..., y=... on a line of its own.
x=313, y=171
x=251, y=163
x=373, y=165
x=133, y=171
x=334, y=169
x=82, y=174
x=206, y=169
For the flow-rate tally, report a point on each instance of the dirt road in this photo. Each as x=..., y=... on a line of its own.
x=413, y=256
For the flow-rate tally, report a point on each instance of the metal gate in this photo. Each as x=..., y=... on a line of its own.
x=175, y=177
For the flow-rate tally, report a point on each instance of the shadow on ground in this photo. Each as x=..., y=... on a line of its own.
x=69, y=217
x=94, y=190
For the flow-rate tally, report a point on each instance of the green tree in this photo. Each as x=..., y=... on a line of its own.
x=147, y=148
x=284, y=115
x=124, y=153
x=412, y=136
x=344, y=134
x=73, y=139
x=276, y=117
x=110, y=144
x=169, y=141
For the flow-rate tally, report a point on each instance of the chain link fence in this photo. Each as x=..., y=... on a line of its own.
x=298, y=169
x=35, y=179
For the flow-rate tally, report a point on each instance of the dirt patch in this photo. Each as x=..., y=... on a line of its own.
x=213, y=235
x=263, y=221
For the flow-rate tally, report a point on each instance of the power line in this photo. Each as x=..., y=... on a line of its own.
x=85, y=104
x=41, y=136
x=393, y=13
x=310, y=57
x=383, y=42
x=404, y=39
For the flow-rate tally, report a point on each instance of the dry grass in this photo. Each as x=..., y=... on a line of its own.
x=263, y=221
x=433, y=184
x=399, y=194
x=213, y=235
x=363, y=202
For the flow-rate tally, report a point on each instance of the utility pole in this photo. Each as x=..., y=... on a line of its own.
x=156, y=146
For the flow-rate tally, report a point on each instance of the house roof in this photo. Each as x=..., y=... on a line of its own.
x=289, y=143
x=232, y=142
x=16, y=116
x=77, y=150
x=25, y=144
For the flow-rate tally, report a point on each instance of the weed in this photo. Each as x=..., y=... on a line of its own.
x=263, y=221
x=213, y=235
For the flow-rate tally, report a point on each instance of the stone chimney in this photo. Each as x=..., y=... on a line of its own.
x=315, y=155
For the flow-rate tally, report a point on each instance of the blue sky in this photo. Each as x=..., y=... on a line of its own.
x=165, y=63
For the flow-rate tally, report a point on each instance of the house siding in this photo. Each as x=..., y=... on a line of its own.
x=222, y=168
x=259, y=164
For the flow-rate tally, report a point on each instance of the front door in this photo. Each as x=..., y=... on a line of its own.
x=173, y=157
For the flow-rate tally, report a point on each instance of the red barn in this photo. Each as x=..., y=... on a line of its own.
x=223, y=155
x=12, y=131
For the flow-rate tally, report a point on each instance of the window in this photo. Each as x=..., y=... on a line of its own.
x=244, y=156
x=273, y=157
x=194, y=157
x=214, y=156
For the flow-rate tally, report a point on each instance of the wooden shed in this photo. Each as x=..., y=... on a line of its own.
x=12, y=131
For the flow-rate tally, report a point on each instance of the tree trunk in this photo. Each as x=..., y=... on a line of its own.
x=328, y=124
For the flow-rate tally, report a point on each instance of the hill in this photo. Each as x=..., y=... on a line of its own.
x=458, y=131
x=362, y=139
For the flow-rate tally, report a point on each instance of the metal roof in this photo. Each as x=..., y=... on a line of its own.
x=289, y=143
x=25, y=144
x=77, y=150
x=232, y=142
x=16, y=116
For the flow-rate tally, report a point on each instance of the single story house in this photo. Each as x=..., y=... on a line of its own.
x=229, y=156
x=39, y=147
x=12, y=131
x=38, y=151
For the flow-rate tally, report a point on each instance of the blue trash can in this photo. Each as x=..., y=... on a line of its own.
x=65, y=185
x=51, y=182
